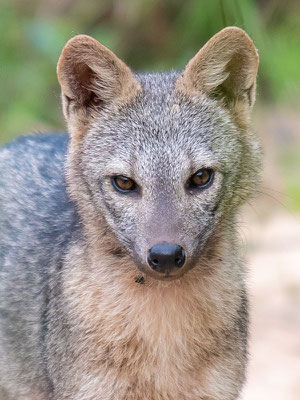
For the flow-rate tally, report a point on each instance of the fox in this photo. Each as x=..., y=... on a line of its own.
x=121, y=273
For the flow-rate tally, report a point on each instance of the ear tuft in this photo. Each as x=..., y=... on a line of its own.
x=224, y=69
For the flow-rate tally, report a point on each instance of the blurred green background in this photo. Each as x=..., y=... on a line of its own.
x=148, y=35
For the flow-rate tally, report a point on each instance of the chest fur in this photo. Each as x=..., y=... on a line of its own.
x=134, y=341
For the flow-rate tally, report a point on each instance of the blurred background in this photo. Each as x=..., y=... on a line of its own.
x=159, y=35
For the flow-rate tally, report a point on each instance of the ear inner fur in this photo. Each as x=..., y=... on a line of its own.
x=91, y=75
x=225, y=68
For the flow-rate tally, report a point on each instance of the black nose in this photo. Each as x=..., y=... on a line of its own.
x=166, y=257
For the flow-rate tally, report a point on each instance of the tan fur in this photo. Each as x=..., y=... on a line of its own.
x=87, y=68
x=228, y=59
x=154, y=337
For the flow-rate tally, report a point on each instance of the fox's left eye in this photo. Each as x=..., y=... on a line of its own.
x=202, y=178
x=123, y=184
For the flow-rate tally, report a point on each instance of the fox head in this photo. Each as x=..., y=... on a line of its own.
x=162, y=160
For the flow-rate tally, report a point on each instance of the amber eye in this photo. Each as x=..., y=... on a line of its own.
x=202, y=178
x=123, y=184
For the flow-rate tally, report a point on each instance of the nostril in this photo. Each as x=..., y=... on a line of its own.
x=180, y=257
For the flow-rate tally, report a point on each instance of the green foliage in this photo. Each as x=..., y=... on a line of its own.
x=147, y=34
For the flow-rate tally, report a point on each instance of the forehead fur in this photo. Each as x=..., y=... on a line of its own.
x=162, y=121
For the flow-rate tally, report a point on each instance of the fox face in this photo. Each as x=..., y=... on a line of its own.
x=165, y=158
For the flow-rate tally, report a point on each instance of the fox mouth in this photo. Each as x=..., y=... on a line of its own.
x=160, y=277
x=168, y=276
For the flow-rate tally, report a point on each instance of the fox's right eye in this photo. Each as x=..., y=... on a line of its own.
x=201, y=179
x=123, y=184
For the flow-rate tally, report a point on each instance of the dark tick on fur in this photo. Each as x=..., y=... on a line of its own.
x=140, y=280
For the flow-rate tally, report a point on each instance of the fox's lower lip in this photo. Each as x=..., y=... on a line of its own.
x=171, y=277
x=166, y=277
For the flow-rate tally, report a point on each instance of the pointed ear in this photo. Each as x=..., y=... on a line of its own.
x=91, y=76
x=225, y=69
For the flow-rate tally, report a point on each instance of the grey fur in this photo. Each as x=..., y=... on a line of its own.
x=52, y=233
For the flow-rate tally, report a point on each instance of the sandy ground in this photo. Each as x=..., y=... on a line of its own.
x=273, y=248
